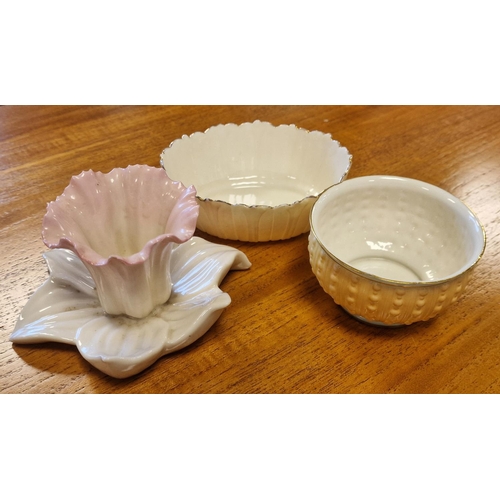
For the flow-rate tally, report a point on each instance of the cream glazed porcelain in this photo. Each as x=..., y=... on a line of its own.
x=256, y=181
x=66, y=309
x=123, y=226
x=393, y=250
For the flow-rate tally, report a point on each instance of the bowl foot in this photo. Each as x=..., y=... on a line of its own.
x=373, y=323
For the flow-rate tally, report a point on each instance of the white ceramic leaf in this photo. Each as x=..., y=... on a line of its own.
x=66, y=309
x=59, y=307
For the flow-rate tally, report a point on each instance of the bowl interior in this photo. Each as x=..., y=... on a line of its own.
x=398, y=229
x=257, y=163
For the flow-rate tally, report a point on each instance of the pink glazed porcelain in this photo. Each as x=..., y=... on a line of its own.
x=123, y=225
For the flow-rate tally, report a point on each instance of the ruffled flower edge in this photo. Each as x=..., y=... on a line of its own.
x=60, y=231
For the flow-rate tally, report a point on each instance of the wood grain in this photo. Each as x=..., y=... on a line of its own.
x=281, y=333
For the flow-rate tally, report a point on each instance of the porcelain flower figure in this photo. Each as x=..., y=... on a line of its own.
x=123, y=225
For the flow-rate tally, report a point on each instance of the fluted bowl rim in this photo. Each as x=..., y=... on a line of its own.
x=241, y=128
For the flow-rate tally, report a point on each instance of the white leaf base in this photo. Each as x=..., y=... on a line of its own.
x=66, y=309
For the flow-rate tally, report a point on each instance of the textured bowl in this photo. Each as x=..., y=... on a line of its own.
x=123, y=225
x=393, y=250
x=256, y=181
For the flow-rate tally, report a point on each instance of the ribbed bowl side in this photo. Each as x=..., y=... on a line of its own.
x=254, y=224
x=375, y=301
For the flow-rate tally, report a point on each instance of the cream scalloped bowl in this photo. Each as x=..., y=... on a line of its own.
x=392, y=250
x=256, y=181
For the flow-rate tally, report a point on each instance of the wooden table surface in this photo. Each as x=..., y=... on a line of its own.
x=281, y=333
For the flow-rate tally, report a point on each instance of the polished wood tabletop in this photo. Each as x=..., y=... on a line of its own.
x=281, y=333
